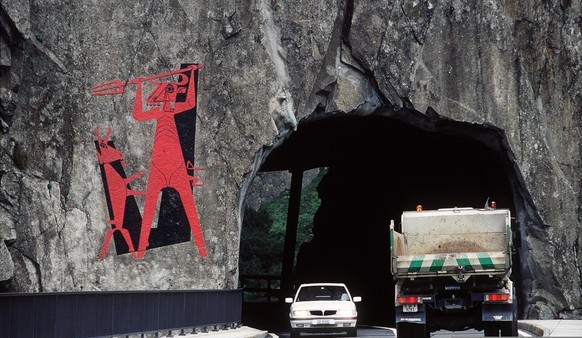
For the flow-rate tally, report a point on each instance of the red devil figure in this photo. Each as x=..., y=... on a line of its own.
x=167, y=167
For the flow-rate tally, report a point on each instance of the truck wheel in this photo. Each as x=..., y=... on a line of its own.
x=491, y=329
x=508, y=329
x=408, y=330
x=294, y=333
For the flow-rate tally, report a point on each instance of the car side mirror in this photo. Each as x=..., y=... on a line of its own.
x=288, y=300
x=357, y=299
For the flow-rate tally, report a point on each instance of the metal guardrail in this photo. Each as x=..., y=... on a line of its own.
x=106, y=314
x=261, y=288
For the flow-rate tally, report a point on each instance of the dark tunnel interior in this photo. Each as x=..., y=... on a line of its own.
x=378, y=167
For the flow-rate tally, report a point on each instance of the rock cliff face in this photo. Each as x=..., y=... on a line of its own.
x=269, y=66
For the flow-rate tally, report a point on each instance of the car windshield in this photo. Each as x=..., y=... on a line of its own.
x=322, y=292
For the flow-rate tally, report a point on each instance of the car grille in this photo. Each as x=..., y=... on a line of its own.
x=323, y=313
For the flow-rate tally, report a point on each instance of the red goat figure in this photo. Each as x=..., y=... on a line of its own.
x=117, y=190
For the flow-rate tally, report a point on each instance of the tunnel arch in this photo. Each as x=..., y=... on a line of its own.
x=378, y=166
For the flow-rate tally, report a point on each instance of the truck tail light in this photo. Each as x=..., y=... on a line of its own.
x=409, y=300
x=497, y=297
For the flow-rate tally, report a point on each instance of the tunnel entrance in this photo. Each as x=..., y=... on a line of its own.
x=377, y=167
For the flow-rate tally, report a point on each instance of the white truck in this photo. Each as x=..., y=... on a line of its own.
x=452, y=268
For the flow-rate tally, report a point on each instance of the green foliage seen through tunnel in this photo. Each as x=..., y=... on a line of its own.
x=263, y=230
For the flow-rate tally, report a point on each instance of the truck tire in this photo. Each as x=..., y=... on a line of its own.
x=509, y=329
x=503, y=329
x=491, y=329
x=294, y=333
x=409, y=330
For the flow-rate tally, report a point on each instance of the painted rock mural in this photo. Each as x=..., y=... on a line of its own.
x=171, y=172
x=125, y=164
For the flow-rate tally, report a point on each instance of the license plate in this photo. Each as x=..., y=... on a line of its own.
x=409, y=307
x=323, y=321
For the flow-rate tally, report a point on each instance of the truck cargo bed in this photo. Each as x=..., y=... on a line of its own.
x=447, y=241
x=439, y=264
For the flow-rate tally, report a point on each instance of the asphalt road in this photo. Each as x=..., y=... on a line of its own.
x=363, y=331
x=375, y=331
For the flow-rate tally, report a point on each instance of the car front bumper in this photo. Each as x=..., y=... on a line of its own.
x=323, y=324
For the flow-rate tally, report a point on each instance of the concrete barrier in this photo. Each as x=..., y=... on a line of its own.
x=534, y=328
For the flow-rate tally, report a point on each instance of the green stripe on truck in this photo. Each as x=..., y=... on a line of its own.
x=416, y=263
x=463, y=261
x=437, y=263
x=485, y=261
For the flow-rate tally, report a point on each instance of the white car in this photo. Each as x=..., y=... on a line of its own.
x=323, y=307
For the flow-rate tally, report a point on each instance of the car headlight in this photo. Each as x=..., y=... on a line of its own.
x=346, y=312
x=300, y=313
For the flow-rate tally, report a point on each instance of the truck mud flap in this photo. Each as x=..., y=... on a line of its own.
x=418, y=317
x=497, y=312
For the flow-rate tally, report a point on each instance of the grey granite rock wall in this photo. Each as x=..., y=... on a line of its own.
x=268, y=64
